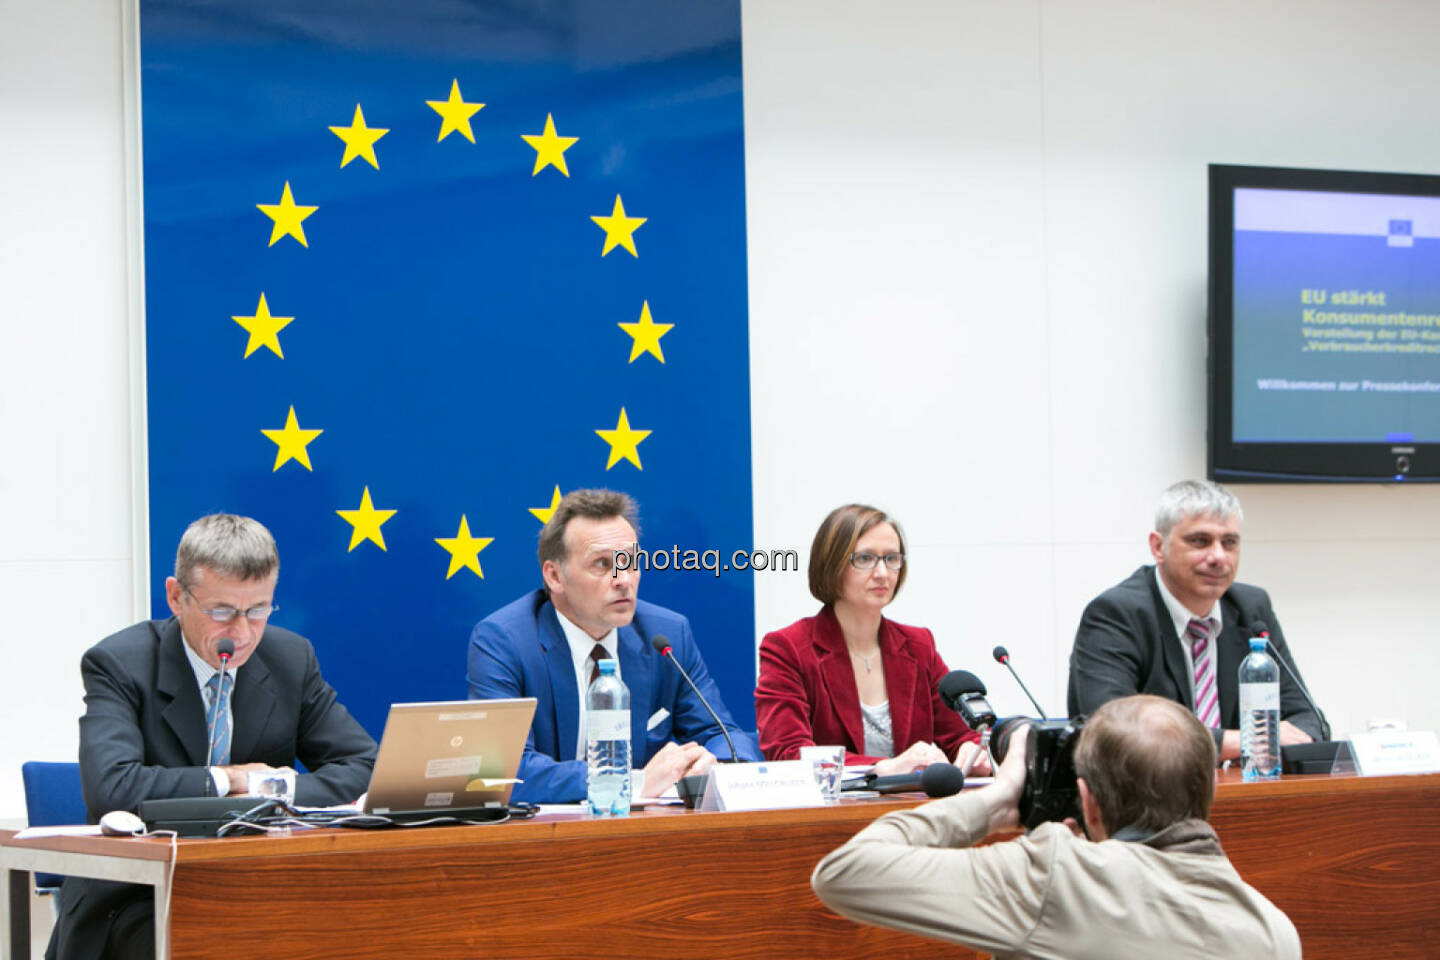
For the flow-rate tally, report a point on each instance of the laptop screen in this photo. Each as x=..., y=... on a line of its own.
x=452, y=754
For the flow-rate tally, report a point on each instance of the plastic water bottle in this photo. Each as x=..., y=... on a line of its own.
x=607, y=744
x=1259, y=714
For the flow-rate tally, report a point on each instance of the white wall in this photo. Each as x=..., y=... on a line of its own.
x=66, y=555
x=997, y=211
x=994, y=210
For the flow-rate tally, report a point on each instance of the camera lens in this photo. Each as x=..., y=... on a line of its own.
x=1000, y=735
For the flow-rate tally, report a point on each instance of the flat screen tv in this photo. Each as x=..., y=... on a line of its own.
x=1324, y=326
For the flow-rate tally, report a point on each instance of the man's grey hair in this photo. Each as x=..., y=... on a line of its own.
x=1194, y=498
x=237, y=548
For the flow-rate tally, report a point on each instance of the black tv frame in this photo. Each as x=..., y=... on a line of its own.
x=1231, y=462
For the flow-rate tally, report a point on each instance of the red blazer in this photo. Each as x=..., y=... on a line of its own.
x=807, y=691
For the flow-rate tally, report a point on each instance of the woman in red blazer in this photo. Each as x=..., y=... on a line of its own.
x=849, y=676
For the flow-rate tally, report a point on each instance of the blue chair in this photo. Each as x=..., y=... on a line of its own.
x=53, y=797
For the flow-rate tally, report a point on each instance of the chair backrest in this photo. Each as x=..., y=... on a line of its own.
x=53, y=797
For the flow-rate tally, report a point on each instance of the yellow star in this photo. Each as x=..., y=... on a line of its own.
x=287, y=217
x=623, y=442
x=359, y=140
x=291, y=441
x=646, y=334
x=549, y=149
x=543, y=514
x=366, y=522
x=464, y=550
x=619, y=229
x=263, y=329
x=455, y=114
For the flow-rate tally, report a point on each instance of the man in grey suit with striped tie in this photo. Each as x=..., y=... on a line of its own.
x=1179, y=629
x=159, y=723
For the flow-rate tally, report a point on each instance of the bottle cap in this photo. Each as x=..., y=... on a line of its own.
x=607, y=668
x=1257, y=644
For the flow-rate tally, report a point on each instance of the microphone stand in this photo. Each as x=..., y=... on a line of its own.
x=691, y=789
x=1318, y=756
x=1295, y=679
x=663, y=647
x=225, y=648
x=1002, y=656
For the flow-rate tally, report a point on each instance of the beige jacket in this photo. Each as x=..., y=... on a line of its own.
x=1051, y=894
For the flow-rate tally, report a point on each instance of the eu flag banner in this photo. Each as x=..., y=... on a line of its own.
x=411, y=271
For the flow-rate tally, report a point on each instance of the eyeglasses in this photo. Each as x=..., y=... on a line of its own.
x=865, y=560
x=256, y=614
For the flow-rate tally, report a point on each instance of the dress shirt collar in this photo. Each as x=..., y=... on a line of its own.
x=1181, y=616
x=203, y=670
x=581, y=643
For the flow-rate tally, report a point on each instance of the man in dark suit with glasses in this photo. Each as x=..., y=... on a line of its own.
x=163, y=720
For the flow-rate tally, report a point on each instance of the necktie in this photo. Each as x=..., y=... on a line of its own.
x=1207, y=696
x=217, y=713
x=596, y=655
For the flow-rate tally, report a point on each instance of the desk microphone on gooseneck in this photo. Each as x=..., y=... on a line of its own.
x=662, y=647
x=1260, y=628
x=224, y=649
x=1002, y=656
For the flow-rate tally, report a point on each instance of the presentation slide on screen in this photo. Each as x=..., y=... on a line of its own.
x=1337, y=317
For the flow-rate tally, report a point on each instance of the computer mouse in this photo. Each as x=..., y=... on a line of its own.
x=121, y=823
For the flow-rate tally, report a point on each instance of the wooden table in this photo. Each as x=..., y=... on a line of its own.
x=1355, y=862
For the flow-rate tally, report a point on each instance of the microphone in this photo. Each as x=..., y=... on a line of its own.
x=936, y=780
x=964, y=693
x=1002, y=656
x=224, y=649
x=662, y=647
x=1262, y=629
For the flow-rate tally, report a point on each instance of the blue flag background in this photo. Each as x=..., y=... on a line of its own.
x=455, y=331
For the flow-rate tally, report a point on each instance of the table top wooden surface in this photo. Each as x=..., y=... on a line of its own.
x=656, y=820
x=1354, y=861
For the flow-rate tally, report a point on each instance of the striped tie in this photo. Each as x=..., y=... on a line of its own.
x=219, y=706
x=1207, y=697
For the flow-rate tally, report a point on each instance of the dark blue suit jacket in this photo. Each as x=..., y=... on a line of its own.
x=520, y=651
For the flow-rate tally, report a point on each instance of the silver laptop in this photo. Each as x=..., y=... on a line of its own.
x=449, y=755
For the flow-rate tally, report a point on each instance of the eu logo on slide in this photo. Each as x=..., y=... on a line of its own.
x=1401, y=234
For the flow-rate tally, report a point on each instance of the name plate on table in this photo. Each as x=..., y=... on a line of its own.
x=762, y=786
x=1396, y=751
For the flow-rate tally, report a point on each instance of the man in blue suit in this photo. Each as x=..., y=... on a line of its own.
x=547, y=645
